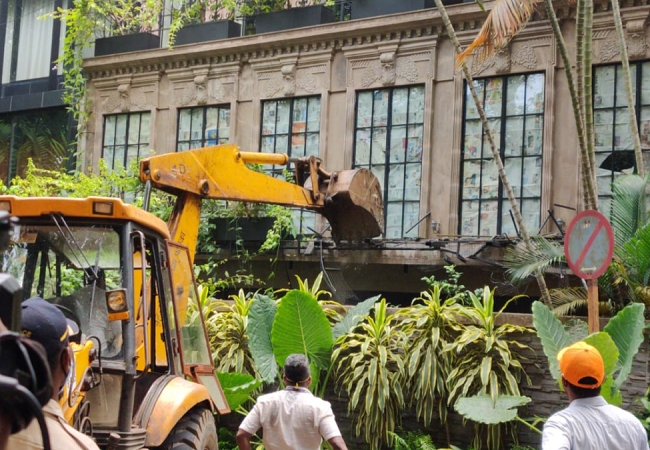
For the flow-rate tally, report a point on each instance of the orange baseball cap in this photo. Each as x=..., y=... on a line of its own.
x=581, y=360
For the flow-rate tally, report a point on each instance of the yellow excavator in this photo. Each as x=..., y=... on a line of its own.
x=143, y=375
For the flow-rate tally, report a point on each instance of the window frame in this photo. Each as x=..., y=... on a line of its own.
x=501, y=197
x=139, y=144
x=219, y=108
x=387, y=163
x=637, y=71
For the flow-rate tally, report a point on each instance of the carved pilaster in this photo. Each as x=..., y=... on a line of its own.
x=636, y=39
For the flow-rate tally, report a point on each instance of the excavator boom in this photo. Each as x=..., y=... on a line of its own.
x=349, y=199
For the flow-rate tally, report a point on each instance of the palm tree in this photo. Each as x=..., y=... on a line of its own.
x=488, y=133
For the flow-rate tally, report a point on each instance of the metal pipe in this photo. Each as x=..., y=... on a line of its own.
x=280, y=159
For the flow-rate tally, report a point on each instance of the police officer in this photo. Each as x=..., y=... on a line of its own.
x=46, y=324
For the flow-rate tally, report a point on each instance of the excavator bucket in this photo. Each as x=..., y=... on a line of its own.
x=353, y=205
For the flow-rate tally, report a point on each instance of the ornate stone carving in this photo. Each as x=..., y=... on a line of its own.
x=524, y=55
x=201, y=91
x=306, y=81
x=388, y=69
x=636, y=40
x=502, y=60
x=289, y=80
x=125, y=98
x=609, y=48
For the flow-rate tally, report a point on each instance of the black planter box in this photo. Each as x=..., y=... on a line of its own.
x=208, y=31
x=298, y=17
x=362, y=9
x=244, y=228
x=127, y=43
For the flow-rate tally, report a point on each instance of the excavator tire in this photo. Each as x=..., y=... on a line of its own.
x=195, y=431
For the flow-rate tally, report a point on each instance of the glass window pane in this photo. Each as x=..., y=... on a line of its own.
x=507, y=224
x=197, y=124
x=644, y=127
x=211, y=132
x=362, y=147
x=472, y=112
x=283, y=117
x=532, y=177
x=313, y=114
x=534, y=130
x=416, y=104
x=145, y=127
x=645, y=84
x=622, y=134
x=495, y=127
x=268, y=118
x=489, y=214
x=313, y=142
x=535, y=94
x=513, y=172
x=514, y=136
x=412, y=182
x=473, y=134
x=118, y=155
x=469, y=221
x=364, y=109
x=400, y=106
x=411, y=217
x=224, y=123
x=300, y=112
x=379, y=171
x=134, y=128
x=394, y=221
x=516, y=95
x=489, y=179
x=109, y=130
x=603, y=130
x=398, y=144
x=379, y=146
x=184, y=124
x=414, y=146
x=604, y=87
x=380, y=108
x=268, y=144
x=282, y=144
x=120, y=132
x=396, y=183
x=530, y=213
x=621, y=92
x=471, y=180
x=493, y=97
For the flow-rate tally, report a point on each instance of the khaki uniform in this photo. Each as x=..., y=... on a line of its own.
x=62, y=435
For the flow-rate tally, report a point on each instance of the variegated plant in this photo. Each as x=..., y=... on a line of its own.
x=485, y=360
x=427, y=323
x=369, y=366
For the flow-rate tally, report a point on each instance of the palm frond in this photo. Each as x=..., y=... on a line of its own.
x=567, y=300
x=523, y=261
x=506, y=19
x=629, y=208
x=636, y=256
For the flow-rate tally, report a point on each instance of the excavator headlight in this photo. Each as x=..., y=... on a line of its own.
x=117, y=306
x=103, y=208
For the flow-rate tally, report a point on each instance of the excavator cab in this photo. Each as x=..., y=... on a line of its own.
x=143, y=369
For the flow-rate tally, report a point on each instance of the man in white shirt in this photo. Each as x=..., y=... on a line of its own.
x=292, y=418
x=589, y=423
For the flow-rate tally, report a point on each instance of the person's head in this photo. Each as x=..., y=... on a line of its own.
x=46, y=324
x=296, y=371
x=583, y=370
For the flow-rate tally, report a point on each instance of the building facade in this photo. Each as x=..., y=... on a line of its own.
x=384, y=93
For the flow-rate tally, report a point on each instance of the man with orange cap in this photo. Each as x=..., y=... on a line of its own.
x=589, y=423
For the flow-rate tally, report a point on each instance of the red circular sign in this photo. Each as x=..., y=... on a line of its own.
x=589, y=244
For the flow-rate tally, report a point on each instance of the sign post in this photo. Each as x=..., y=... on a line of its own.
x=589, y=247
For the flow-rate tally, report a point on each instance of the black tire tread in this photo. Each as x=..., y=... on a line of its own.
x=191, y=432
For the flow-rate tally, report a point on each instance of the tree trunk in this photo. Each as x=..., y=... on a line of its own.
x=588, y=92
x=588, y=184
x=495, y=152
x=631, y=104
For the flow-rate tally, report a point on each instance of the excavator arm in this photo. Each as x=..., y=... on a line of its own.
x=349, y=199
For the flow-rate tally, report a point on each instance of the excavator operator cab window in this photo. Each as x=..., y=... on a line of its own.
x=72, y=267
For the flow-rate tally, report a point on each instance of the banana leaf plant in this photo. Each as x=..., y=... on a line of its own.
x=618, y=344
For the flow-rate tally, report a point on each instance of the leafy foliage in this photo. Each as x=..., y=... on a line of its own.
x=552, y=335
x=524, y=260
x=482, y=409
x=237, y=388
x=429, y=323
x=300, y=326
x=449, y=287
x=370, y=368
x=485, y=361
x=412, y=440
x=261, y=317
x=626, y=330
x=354, y=316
